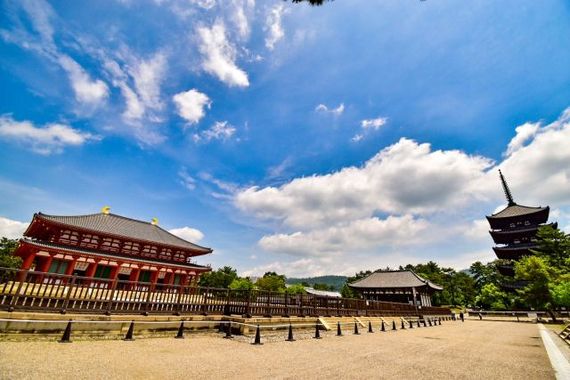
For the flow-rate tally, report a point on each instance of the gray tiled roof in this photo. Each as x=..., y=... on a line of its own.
x=393, y=279
x=121, y=226
x=517, y=210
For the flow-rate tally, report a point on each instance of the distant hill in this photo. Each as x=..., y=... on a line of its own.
x=336, y=281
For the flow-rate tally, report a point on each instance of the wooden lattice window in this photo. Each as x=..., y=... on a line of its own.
x=110, y=244
x=165, y=254
x=131, y=248
x=89, y=241
x=69, y=237
x=149, y=251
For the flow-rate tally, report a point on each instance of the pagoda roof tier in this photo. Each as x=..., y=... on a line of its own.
x=516, y=213
x=514, y=252
x=515, y=285
x=506, y=270
x=509, y=235
x=26, y=242
x=121, y=227
x=393, y=280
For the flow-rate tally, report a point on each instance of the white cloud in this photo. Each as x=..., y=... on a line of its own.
x=404, y=177
x=86, y=90
x=148, y=76
x=357, y=137
x=240, y=12
x=361, y=234
x=51, y=138
x=273, y=25
x=186, y=179
x=219, y=55
x=11, y=229
x=334, y=111
x=187, y=233
x=374, y=123
x=433, y=205
x=524, y=133
x=191, y=105
x=221, y=130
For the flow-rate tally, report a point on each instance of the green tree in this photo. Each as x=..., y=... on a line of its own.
x=492, y=297
x=7, y=258
x=296, y=289
x=322, y=287
x=272, y=282
x=539, y=276
x=554, y=247
x=346, y=291
x=241, y=284
x=561, y=294
x=221, y=278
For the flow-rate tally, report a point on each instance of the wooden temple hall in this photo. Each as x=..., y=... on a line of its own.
x=109, y=246
x=403, y=286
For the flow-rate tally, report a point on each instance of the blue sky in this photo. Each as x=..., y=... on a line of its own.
x=306, y=140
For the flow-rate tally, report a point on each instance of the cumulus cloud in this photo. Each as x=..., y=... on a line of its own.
x=539, y=170
x=333, y=111
x=357, y=234
x=86, y=90
x=405, y=176
x=374, y=124
x=187, y=233
x=425, y=197
x=273, y=25
x=221, y=130
x=219, y=55
x=191, y=105
x=524, y=133
x=12, y=229
x=51, y=138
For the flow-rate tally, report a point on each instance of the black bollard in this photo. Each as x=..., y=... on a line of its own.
x=130, y=332
x=370, y=327
x=383, y=327
x=338, y=329
x=290, y=337
x=356, y=329
x=257, y=340
x=317, y=333
x=228, y=331
x=439, y=321
x=419, y=324
x=411, y=325
x=429, y=322
x=180, y=334
x=403, y=326
x=394, y=325
x=66, y=338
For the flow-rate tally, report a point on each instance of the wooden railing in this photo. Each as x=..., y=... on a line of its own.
x=49, y=292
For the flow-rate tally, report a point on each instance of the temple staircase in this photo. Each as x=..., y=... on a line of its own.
x=565, y=334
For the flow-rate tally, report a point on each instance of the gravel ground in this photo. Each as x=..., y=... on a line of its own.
x=470, y=350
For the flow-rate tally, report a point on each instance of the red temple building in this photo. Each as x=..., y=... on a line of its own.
x=514, y=229
x=109, y=246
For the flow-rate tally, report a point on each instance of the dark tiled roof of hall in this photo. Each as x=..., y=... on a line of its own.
x=394, y=279
x=122, y=226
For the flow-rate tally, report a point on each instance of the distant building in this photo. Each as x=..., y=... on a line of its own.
x=109, y=246
x=325, y=293
x=514, y=229
x=396, y=286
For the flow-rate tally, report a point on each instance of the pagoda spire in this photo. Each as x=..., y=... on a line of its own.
x=506, y=189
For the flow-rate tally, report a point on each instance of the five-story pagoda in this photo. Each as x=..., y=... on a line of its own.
x=514, y=229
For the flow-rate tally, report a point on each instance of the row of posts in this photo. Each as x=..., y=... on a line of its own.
x=427, y=322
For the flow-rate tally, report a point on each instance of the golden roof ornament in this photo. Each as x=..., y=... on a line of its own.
x=106, y=210
x=154, y=221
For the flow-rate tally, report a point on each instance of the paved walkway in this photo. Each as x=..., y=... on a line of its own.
x=455, y=350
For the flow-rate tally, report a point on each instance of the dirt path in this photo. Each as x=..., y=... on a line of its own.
x=472, y=350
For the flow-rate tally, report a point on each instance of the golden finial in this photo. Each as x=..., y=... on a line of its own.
x=154, y=221
x=106, y=210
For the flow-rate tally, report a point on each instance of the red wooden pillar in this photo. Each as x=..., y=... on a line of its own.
x=28, y=261
x=134, y=277
x=153, y=279
x=45, y=264
x=70, y=267
x=90, y=272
